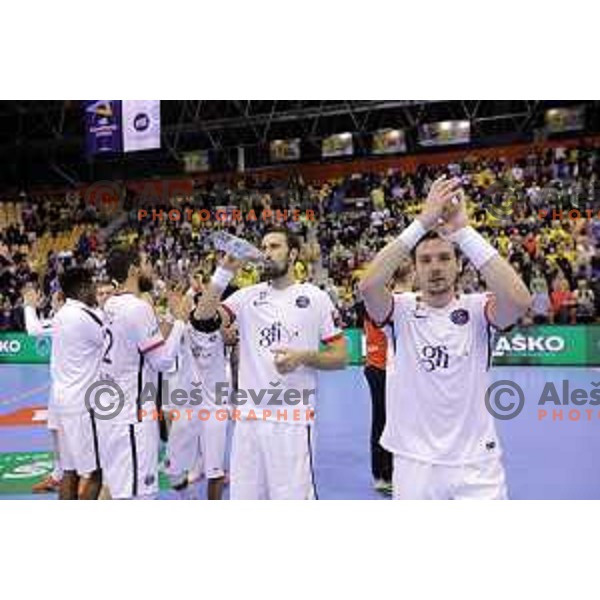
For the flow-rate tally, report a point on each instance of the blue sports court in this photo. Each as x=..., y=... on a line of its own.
x=545, y=458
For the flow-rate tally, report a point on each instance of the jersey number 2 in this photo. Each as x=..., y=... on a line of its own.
x=106, y=357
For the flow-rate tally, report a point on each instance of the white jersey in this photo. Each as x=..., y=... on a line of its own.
x=437, y=380
x=77, y=340
x=131, y=332
x=299, y=317
x=203, y=367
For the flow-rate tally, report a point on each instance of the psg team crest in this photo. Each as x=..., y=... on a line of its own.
x=302, y=301
x=460, y=316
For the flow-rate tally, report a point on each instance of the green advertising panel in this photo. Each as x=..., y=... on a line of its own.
x=576, y=345
x=593, y=345
x=547, y=345
x=22, y=348
x=20, y=470
x=355, y=341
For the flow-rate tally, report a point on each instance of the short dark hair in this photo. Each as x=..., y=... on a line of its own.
x=104, y=280
x=292, y=240
x=432, y=235
x=119, y=261
x=75, y=282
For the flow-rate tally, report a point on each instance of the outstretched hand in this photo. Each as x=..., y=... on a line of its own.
x=180, y=305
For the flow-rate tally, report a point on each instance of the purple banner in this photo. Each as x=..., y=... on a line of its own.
x=103, y=128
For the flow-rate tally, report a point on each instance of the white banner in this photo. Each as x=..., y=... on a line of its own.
x=141, y=125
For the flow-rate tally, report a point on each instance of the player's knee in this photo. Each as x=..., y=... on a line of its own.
x=90, y=486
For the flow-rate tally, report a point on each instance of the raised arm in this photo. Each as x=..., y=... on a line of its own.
x=161, y=352
x=511, y=298
x=373, y=284
x=209, y=302
x=33, y=324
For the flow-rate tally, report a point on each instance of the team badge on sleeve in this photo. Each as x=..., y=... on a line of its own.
x=302, y=301
x=460, y=316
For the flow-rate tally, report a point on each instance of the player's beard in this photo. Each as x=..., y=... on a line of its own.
x=439, y=287
x=145, y=284
x=272, y=270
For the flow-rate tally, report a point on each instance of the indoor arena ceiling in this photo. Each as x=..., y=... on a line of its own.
x=42, y=142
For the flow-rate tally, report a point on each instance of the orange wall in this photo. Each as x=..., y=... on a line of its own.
x=317, y=172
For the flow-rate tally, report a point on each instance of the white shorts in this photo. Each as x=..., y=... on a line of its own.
x=183, y=449
x=272, y=460
x=417, y=480
x=197, y=442
x=129, y=458
x=77, y=442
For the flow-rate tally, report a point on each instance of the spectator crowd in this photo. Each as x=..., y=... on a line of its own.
x=521, y=206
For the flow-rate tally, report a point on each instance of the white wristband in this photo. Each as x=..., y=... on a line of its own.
x=473, y=246
x=221, y=277
x=412, y=234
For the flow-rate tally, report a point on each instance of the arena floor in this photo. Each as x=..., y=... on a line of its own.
x=545, y=459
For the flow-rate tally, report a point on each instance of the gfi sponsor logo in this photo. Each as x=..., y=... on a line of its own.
x=523, y=343
x=10, y=346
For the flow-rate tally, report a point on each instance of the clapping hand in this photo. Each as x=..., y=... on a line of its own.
x=438, y=205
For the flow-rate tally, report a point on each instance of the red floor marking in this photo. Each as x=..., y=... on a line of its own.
x=23, y=416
